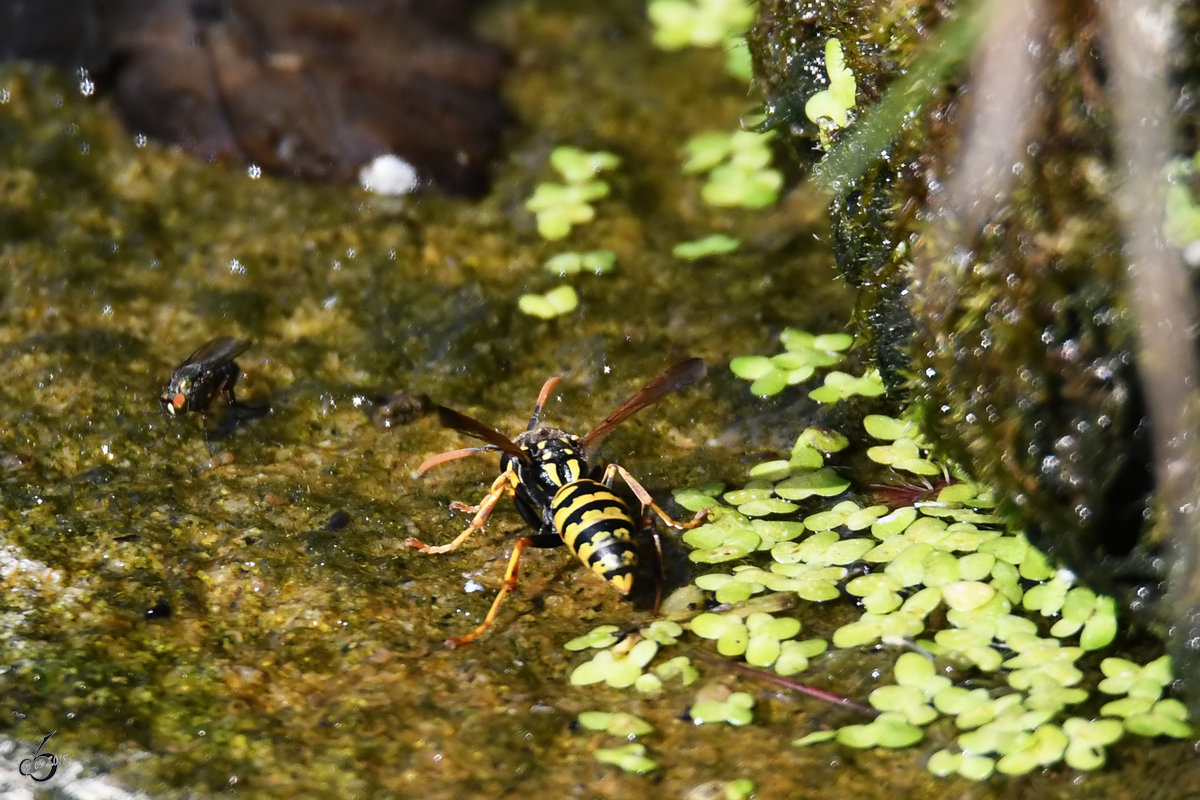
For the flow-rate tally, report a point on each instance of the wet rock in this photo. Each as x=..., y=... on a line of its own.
x=308, y=88
x=1009, y=327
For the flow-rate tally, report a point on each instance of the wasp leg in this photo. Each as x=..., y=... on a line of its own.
x=647, y=501
x=503, y=485
x=660, y=576
x=510, y=580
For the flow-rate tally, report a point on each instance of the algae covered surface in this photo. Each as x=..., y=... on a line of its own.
x=248, y=620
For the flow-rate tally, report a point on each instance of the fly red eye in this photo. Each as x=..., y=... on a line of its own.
x=179, y=400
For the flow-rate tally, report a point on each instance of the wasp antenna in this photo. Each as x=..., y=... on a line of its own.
x=453, y=455
x=543, y=396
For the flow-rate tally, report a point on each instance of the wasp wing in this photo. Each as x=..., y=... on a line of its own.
x=449, y=418
x=672, y=379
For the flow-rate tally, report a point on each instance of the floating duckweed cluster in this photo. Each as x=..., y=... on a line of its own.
x=597, y=262
x=990, y=635
x=804, y=353
x=560, y=206
x=705, y=23
x=738, y=166
x=734, y=708
x=629, y=757
x=562, y=299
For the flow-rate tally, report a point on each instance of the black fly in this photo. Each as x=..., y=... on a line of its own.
x=207, y=372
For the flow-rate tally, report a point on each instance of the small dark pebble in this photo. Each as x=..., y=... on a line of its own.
x=338, y=520
x=160, y=610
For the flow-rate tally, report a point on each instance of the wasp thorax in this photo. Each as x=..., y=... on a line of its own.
x=555, y=458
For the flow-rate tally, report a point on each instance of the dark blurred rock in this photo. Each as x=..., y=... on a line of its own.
x=309, y=88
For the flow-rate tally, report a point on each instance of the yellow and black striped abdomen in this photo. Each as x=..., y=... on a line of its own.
x=597, y=526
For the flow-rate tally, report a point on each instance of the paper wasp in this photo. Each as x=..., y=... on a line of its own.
x=207, y=372
x=546, y=473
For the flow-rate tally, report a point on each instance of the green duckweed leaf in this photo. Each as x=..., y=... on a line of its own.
x=761, y=622
x=835, y=102
x=967, y=595
x=734, y=186
x=1101, y=628
x=1165, y=718
x=822, y=439
x=771, y=470
x=714, y=245
x=772, y=532
x=841, y=385
x=579, y=166
x=629, y=757
x=872, y=582
x=823, y=482
x=864, y=517
x=894, y=523
x=751, y=367
x=871, y=628
x=698, y=499
x=554, y=303
x=663, y=631
x=571, y=263
x=677, y=667
x=954, y=700
x=816, y=737
x=706, y=150
x=737, y=709
x=886, y=428
x=766, y=507
x=713, y=626
x=625, y=725
x=762, y=650
x=794, y=656
x=599, y=637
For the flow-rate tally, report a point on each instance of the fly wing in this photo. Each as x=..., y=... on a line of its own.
x=215, y=351
x=674, y=378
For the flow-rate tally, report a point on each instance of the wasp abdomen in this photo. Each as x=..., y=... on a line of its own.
x=597, y=526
